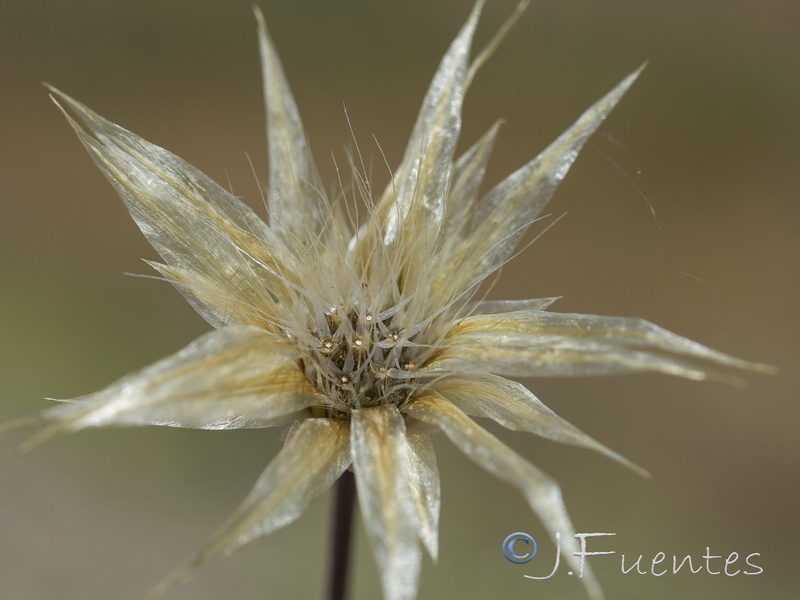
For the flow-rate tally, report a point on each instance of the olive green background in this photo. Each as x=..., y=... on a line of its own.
x=682, y=210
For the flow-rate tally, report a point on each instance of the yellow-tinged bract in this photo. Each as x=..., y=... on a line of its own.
x=365, y=337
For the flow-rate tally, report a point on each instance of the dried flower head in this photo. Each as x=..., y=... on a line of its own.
x=366, y=337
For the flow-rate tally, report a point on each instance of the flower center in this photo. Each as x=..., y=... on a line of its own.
x=358, y=359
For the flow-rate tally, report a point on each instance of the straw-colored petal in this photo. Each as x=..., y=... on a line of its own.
x=296, y=200
x=382, y=465
x=193, y=223
x=415, y=198
x=238, y=303
x=502, y=216
x=514, y=406
x=231, y=378
x=426, y=491
x=534, y=343
x=316, y=453
x=489, y=307
x=468, y=172
x=405, y=223
x=541, y=492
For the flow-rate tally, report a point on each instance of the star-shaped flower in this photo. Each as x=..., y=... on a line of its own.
x=366, y=337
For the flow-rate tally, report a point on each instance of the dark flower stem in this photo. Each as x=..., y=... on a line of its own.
x=343, y=508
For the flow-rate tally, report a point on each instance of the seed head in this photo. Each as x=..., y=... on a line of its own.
x=364, y=336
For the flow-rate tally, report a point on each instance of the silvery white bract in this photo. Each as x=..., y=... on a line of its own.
x=366, y=337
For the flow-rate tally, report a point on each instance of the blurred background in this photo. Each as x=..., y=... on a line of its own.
x=683, y=210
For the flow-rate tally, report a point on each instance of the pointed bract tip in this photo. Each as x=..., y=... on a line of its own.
x=39, y=438
x=629, y=80
x=640, y=471
x=179, y=575
x=498, y=37
x=635, y=74
x=23, y=423
x=57, y=96
x=762, y=368
x=259, y=16
x=62, y=400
